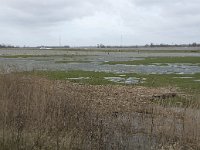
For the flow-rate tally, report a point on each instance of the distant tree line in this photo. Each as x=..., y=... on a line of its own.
x=12, y=46
x=7, y=46
x=173, y=45
x=151, y=45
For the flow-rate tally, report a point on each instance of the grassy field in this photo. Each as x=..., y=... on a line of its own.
x=187, y=82
x=159, y=60
x=95, y=78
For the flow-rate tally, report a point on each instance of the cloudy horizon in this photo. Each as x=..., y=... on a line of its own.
x=90, y=22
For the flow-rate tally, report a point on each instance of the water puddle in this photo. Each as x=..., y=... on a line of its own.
x=197, y=80
x=122, y=75
x=130, y=80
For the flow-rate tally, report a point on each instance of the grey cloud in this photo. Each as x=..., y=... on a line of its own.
x=94, y=21
x=45, y=11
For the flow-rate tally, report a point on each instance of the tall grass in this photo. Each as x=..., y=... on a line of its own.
x=36, y=113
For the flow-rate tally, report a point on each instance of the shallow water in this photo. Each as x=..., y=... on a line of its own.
x=130, y=80
x=146, y=131
x=92, y=61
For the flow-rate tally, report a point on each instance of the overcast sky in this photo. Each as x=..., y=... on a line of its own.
x=89, y=22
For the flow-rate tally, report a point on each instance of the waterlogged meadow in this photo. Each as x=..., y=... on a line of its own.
x=99, y=99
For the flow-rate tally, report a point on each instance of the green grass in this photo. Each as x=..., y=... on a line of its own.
x=160, y=60
x=152, y=80
x=163, y=80
x=66, y=62
x=96, y=78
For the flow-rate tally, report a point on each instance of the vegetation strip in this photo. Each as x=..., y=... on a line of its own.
x=185, y=82
x=30, y=56
x=159, y=60
x=23, y=56
x=66, y=62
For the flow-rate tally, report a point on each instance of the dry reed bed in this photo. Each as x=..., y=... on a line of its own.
x=36, y=113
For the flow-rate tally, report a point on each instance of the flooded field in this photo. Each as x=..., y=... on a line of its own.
x=57, y=60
